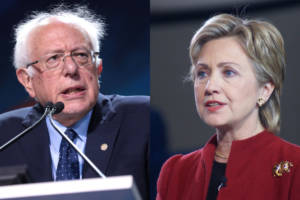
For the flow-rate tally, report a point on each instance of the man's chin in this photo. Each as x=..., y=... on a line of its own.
x=69, y=118
x=74, y=111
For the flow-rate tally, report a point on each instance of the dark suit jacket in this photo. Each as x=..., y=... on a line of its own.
x=119, y=121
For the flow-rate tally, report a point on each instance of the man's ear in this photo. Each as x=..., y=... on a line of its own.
x=26, y=80
x=99, y=67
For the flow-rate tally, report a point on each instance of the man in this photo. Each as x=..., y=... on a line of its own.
x=56, y=60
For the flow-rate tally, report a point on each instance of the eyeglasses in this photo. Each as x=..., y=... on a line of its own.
x=81, y=57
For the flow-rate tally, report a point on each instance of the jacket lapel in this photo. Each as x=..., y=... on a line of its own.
x=103, y=130
x=35, y=147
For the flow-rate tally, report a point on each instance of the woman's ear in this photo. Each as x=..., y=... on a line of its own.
x=266, y=91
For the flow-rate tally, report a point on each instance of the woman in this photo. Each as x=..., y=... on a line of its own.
x=237, y=70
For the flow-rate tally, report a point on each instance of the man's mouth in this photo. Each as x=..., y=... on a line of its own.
x=73, y=90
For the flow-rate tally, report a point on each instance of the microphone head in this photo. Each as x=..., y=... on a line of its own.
x=49, y=105
x=59, y=106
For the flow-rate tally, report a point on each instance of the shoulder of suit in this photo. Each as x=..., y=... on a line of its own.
x=184, y=160
x=286, y=146
x=15, y=114
x=129, y=102
x=177, y=165
x=282, y=150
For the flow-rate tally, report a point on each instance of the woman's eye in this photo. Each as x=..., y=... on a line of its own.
x=229, y=73
x=201, y=74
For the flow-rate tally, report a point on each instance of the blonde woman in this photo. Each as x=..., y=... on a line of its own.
x=237, y=70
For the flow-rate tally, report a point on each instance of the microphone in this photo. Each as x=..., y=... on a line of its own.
x=222, y=183
x=48, y=108
x=58, y=107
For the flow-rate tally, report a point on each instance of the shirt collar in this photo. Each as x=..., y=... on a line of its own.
x=81, y=128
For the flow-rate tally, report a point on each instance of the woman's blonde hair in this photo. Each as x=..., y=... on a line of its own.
x=264, y=46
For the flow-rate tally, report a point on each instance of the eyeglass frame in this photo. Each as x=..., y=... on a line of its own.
x=94, y=54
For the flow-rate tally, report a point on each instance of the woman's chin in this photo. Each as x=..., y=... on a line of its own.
x=216, y=123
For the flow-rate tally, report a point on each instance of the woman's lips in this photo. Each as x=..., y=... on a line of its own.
x=214, y=105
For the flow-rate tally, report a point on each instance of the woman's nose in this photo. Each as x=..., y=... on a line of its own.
x=212, y=85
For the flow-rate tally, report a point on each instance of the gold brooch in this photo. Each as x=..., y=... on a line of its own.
x=282, y=167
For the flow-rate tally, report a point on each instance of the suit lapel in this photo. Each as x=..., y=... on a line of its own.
x=103, y=131
x=35, y=147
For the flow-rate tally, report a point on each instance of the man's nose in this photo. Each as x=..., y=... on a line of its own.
x=69, y=65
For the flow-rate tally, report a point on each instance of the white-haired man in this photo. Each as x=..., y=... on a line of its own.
x=57, y=60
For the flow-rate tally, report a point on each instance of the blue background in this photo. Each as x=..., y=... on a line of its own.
x=124, y=49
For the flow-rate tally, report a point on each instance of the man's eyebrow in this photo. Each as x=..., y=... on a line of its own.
x=59, y=50
x=54, y=51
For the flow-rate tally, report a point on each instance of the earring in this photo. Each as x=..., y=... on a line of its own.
x=260, y=101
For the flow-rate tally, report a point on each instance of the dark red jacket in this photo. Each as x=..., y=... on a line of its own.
x=249, y=171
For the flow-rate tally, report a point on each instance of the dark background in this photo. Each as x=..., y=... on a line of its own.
x=124, y=49
x=176, y=126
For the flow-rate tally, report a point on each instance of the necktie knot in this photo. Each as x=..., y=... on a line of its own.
x=71, y=134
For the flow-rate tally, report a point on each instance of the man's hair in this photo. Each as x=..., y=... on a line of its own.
x=262, y=43
x=78, y=16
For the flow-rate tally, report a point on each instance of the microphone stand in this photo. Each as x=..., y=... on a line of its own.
x=74, y=146
x=47, y=110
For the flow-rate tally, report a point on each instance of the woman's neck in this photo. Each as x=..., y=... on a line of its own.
x=226, y=135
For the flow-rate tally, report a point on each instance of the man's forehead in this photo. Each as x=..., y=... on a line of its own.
x=56, y=36
x=56, y=27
